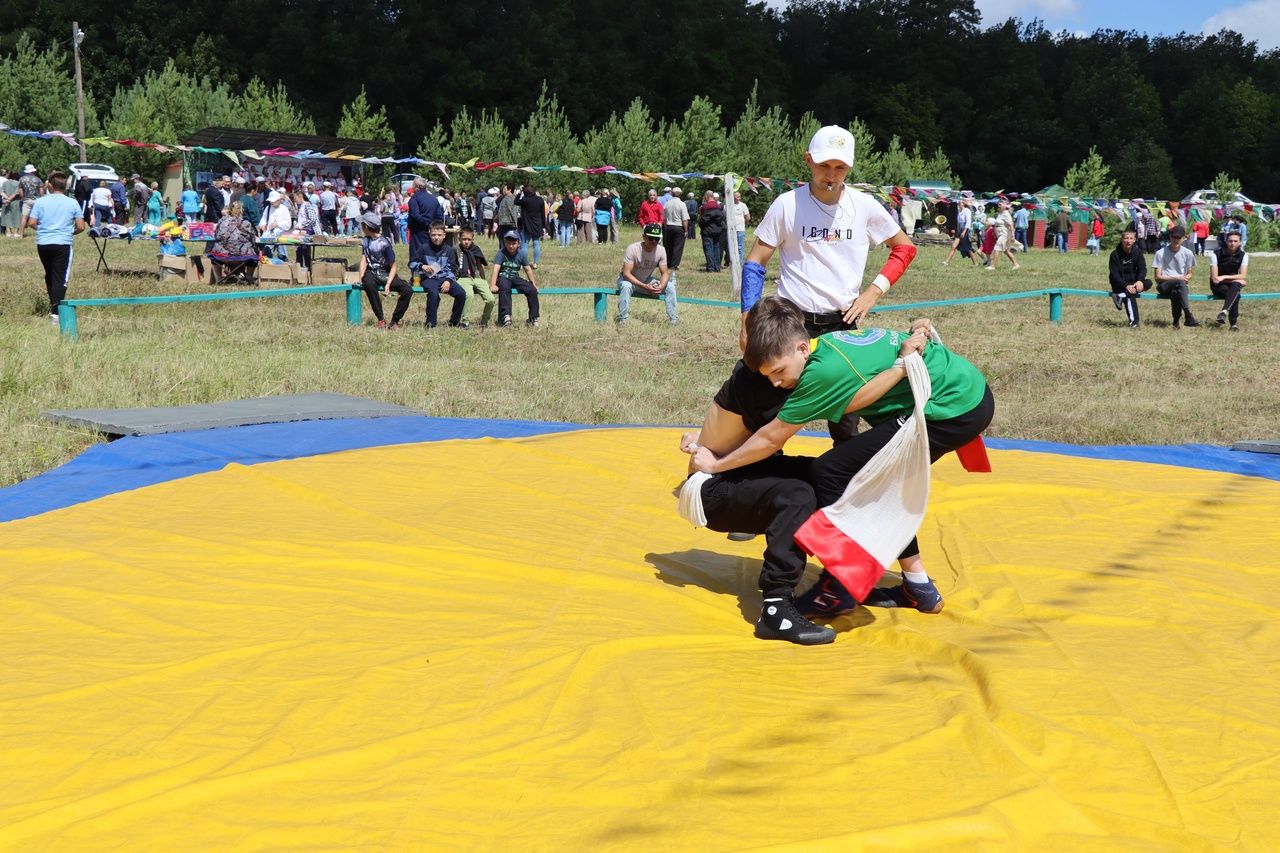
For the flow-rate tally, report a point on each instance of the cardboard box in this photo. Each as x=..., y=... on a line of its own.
x=327, y=272
x=173, y=267
x=277, y=274
x=351, y=277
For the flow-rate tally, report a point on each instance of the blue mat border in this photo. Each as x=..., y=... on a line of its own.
x=136, y=461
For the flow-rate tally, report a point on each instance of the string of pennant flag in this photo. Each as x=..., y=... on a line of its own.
x=1075, y=205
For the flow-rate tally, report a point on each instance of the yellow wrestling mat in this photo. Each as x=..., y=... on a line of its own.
x=518, y=645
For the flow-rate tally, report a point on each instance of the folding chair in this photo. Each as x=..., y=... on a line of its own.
x=100, y=243
x=233, y=268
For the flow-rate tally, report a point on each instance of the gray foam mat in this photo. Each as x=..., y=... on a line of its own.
x=263, y=410
x=1257, y=446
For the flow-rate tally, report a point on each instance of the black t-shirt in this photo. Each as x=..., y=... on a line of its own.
x=533, y=217
x=751, y=396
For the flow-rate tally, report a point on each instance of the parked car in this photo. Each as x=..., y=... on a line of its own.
x=402, y=180
x=92, y=172
x=1211, y=197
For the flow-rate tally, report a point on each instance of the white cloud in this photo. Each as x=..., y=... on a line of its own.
x=1256, y=20
x=998, y=11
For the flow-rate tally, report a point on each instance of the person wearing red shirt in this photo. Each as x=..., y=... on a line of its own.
x=1200, y=228
x=651, y=210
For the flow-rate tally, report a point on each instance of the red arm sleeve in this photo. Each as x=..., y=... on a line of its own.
x=900, y=257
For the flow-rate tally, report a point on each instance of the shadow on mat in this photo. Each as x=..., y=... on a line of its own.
x=727, y=574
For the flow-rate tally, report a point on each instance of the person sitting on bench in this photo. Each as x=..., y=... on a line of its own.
x=378, y=272
x=1228, y=271
x=639, y=263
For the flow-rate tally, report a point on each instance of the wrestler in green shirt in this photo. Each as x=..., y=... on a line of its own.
x=840, y=363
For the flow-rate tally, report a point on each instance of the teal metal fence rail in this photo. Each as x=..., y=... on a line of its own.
x=68, y=317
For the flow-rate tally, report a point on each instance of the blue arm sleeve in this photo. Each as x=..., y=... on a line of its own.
x=752, y=284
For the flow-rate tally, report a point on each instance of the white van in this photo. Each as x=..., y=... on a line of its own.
x=92, y=172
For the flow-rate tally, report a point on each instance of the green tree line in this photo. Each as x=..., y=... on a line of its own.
x=1010, y=105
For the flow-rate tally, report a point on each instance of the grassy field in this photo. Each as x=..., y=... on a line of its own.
x=1088, y=380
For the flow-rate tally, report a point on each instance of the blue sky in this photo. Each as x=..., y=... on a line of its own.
x=1258, y=20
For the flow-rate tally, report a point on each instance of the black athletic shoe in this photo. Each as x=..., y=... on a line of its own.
x=1191, y=322
x=1119, y=302
x=779, y=620
x=827, y=597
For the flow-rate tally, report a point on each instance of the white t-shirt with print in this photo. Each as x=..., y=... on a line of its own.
x=823, y=248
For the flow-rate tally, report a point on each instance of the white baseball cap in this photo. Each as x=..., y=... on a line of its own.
x=832, y=143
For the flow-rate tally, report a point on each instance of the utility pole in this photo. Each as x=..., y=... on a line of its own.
x=76, y=37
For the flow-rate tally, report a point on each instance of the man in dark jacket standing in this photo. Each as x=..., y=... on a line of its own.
x=214, y=201
x=533, y=222
x=712, y=220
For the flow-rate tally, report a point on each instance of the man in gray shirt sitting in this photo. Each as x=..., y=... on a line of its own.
x=1174, y=265
x=640, y=262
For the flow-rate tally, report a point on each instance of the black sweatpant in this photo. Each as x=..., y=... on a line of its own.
x=773, y=497
x=833, y=470
x=505, y=286
x=372, y=285
x=1229, y=293
x=673, y=241
x=1129, y=301
x=459, y=293
x=329, y=221
x=57, y=272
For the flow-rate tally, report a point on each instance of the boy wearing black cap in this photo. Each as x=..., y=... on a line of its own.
x=378, y=272
x=639, y=263
x=504, y=274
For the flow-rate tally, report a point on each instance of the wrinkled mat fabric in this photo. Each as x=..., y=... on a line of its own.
x=516, y=644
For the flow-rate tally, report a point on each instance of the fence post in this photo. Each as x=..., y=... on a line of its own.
x=602, y=306
x=1055, y=306
x=67, y=321
x=354, y=306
